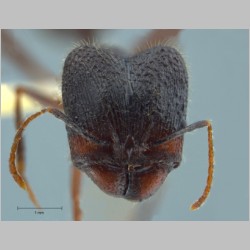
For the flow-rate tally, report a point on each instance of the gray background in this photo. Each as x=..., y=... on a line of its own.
x=218, y=68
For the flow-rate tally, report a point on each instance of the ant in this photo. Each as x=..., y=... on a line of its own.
x=125, y=118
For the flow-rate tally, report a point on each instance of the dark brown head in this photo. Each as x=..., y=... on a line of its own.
x=123, y=106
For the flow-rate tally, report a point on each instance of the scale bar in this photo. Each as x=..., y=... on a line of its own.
x=41, y=208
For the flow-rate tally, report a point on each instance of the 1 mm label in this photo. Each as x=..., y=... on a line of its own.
x=39, y=212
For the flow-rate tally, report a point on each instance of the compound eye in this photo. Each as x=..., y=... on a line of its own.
x=175, y=164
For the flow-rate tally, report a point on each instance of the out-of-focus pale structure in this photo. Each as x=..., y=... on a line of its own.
x=8, y=101
x=29, y=105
